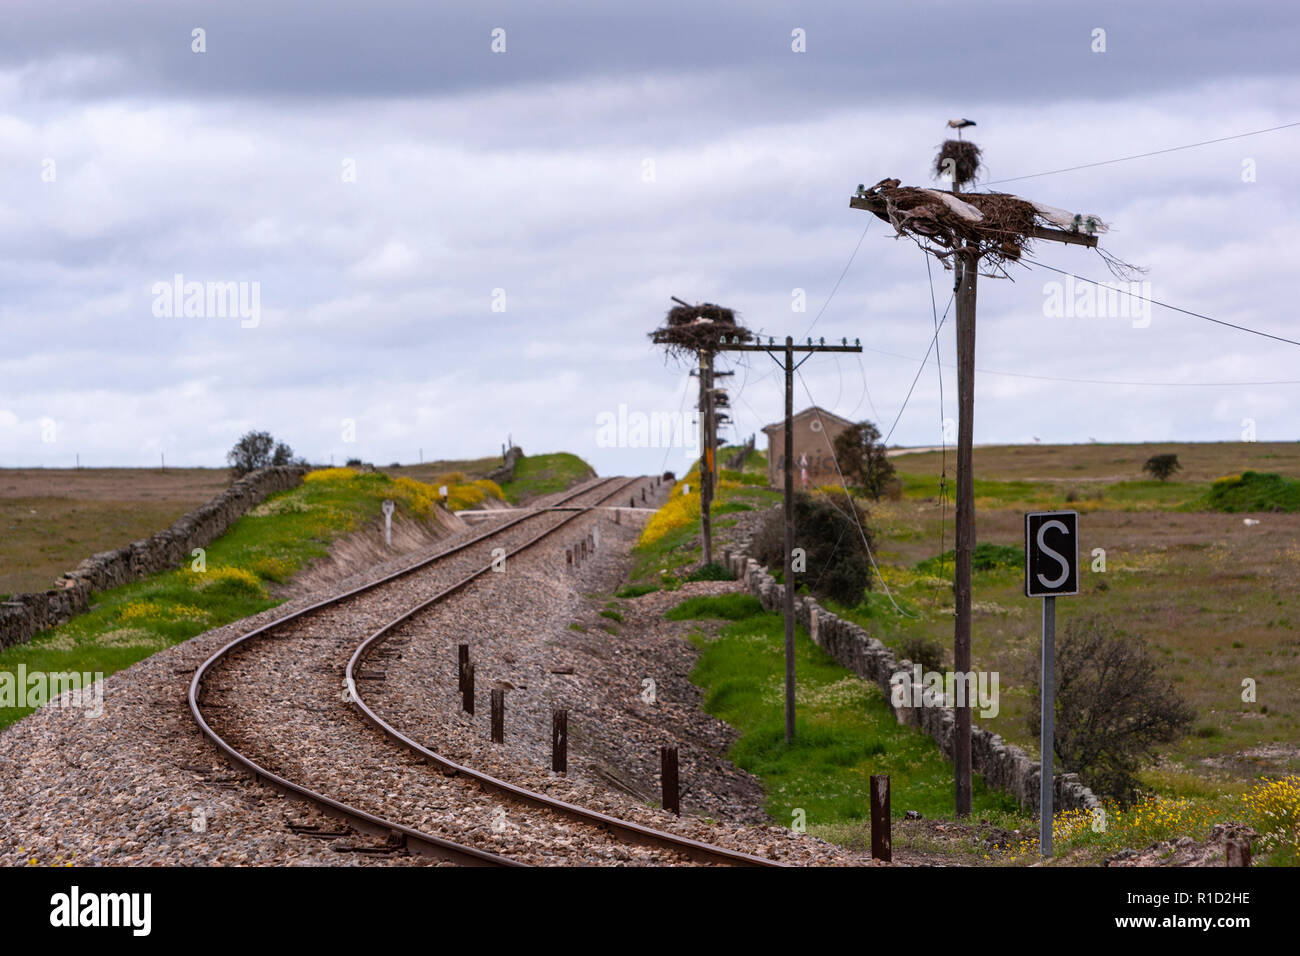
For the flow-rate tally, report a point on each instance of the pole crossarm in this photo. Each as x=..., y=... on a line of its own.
x=779, y=347
x=877, y=206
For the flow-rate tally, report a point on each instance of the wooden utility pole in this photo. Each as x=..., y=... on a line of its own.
x=706, y=452
x=967, y=266
x=966, y=261
x=788, y=364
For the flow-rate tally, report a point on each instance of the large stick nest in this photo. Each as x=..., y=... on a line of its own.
x=998, y=225
x=959, y=158
x=698, y=328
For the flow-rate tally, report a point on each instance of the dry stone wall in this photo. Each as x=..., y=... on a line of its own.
x=505, y=472
x=25, y=615
x=1004, y=766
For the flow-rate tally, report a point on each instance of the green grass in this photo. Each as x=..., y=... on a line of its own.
x=267, y=545
x=845, y=731
x=985, y=557
x=728, y=607
x=635, y=590
x=545, y=474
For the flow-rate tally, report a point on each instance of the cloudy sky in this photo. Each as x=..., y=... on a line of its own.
x=447, y=244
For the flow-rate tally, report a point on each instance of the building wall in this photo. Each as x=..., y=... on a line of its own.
x=812, y=437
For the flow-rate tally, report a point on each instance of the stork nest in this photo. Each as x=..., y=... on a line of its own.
x=698, y=328
x=998, y=226
x=957, y=157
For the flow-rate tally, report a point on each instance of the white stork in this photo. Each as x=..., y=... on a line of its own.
x=959, y=125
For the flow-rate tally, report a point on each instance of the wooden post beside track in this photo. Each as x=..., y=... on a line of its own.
x=498, y=715
x=881, y=840
x=560, y=740
x=668, y=768
x=462, y=659
x=467, y=689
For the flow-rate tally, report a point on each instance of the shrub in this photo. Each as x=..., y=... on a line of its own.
x=710, y=572
x=862, y=460
x=825, y=527
x=680, y=511
x=1161, y=466
x=1112, y=707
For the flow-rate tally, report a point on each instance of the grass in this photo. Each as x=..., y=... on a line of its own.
x=1212, y=596
x=845, y=731
x=545, y=474
x=265, y=547
x=635, y=590
x=1252, y=491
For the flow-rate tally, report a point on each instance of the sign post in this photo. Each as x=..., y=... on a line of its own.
x=1051, y=569
x=388, y=523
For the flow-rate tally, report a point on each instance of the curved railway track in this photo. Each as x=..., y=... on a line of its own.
x=259, y=658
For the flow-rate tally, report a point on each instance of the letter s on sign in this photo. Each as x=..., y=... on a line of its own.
x=1060, y=559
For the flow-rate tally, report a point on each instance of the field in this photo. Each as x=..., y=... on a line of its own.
x=241, y=575
x=51, y=518
x=1214, y=597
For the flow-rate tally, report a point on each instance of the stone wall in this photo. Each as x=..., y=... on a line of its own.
x=1004, y=766
x=503, y=473
x=25, y=615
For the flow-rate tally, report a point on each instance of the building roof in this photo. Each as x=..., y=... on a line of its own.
x=826, y=417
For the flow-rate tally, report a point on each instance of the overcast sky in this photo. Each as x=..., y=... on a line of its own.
x=449, y=244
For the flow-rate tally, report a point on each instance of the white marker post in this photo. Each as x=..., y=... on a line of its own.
x=1051, y=569
x=388, y=523
x=442, y=490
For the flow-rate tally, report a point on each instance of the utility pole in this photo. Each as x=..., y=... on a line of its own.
x=967, y=266
x=786, y=361
x=966, y=261
x=707, y=452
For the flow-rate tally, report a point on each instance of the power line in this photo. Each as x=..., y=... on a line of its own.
x=1166, y=305
x=843, y=273
x=1154, y=152
x=919, y=369
x=1090, y=381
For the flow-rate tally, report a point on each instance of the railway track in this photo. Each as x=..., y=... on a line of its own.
x=307, y=742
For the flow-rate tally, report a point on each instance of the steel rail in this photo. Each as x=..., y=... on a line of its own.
x=362, y=820
x=627, y=829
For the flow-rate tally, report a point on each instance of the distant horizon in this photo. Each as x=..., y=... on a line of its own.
x=430, y=461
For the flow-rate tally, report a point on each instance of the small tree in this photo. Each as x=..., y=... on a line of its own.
x=257, y=450
x=862, y=459
x=1161, y=466
x=1113, y=706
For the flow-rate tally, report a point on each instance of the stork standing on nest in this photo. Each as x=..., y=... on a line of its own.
x=959, y=125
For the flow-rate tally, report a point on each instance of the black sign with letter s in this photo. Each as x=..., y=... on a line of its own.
x=1051, y=553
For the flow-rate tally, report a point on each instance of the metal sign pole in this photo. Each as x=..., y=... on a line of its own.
x=1047, y=732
